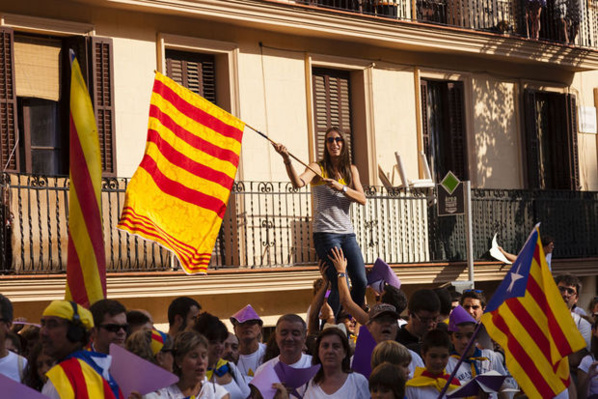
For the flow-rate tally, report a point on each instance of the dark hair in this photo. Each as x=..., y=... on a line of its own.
x=272, y=349
x=444, y=297
x=16, y=342
x=185, y=342
x=292, y=318
x=547, y=240
x=31, y=377
x=387, y=375
x=424, y=300
x=569, y=279
x=181, y=306
x=455, y=296
x=435, y=338
x=105, y=307
x=6, y=310
x=135, y=318
x=345, y=159
x=395, y=297
x=475, y=295
x=211, y=327
x=345, y=364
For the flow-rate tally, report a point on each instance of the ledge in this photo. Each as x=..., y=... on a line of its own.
x=34, y=288
x=296, y=19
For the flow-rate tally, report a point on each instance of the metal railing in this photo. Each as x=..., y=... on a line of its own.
x=563, y=21
x=269, y=225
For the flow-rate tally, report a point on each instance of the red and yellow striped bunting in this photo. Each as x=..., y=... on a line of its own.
x=531, y=322
x=179, y=193
x=86, y=262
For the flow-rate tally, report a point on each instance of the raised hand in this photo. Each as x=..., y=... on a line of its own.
x=338, y=259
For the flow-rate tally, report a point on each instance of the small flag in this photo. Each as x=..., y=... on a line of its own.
x=528, y=318
x=179, y=193
x=86, y=261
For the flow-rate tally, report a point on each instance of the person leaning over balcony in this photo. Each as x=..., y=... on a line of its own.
x=334, y=192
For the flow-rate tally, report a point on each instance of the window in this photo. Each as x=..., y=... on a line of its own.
x=551, y=140
x=34, y=96
x=444, y=135
x=195, y=71
x=332, y=103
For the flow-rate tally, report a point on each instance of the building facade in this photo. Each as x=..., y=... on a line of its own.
x=459, y=86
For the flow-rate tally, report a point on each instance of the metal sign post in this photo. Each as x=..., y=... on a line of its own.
x=454, y=198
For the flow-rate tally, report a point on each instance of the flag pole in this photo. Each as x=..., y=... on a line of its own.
x=291, y=155
x=469, y=344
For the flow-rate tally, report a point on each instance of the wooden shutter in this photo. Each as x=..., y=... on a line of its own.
x=95, y=57
x=101, y=87
x=572, y=135
x=457, y=153
x=423, y=84
x=9, y=154
x=195, y=71
x=532, y=153
x=332, y=103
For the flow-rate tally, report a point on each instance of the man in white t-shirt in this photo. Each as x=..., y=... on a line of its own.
x=11, y=364
x=248, y=329
x=291, y=333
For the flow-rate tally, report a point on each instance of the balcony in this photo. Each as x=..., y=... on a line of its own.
x=506, y=17
x=267, y=226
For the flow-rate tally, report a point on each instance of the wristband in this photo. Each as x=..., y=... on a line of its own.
x=338, y=275
x=345, y=189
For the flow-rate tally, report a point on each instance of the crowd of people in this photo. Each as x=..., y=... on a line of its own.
x=415, y=346
x=424, y=347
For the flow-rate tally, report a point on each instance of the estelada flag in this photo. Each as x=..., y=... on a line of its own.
x=86, y=261
x=178, y=195
x=529, y=319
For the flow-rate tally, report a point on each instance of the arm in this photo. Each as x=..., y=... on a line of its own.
x=317, y=302
x=354, y=193
x=508, y=255
x=340, y=264
x=584, y=379
x=297, y=180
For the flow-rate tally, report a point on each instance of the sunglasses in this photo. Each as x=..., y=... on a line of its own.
x=570, y=291
x=476, y=291
x=331, y=140
x=114, y=328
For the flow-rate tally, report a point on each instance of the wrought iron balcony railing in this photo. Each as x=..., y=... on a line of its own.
x=563, y=21
x=268, y=225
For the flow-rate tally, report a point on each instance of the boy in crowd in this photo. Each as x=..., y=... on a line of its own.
x=428, y=382
x=477, y=361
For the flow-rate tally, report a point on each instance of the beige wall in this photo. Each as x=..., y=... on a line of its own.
x=272, y=92
x=496, y=158
x=585, y=86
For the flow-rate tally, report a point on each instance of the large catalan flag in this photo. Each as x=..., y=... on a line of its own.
x=86, y=261
x=179, y=193
x=529, y=319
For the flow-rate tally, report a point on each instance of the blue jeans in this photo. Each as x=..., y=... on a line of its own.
x=324, y=242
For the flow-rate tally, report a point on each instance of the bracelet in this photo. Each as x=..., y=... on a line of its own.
x=341, y=275
x=344, y=189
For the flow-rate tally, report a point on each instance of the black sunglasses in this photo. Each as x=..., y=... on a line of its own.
x=331, y=140
x=114, y=328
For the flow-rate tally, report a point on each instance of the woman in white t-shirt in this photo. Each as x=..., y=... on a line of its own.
x=191, y=365
x=587, y=371
x=335, y=379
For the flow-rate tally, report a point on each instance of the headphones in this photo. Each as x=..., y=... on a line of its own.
x=76, y=330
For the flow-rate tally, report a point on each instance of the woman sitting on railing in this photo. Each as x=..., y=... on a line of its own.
x=335, y=187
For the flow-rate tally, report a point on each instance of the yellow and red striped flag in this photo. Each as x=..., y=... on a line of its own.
x=86, y=261
x=179, y=193
x=529, y=319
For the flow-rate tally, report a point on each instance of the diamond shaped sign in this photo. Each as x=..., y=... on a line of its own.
x=450, y=182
